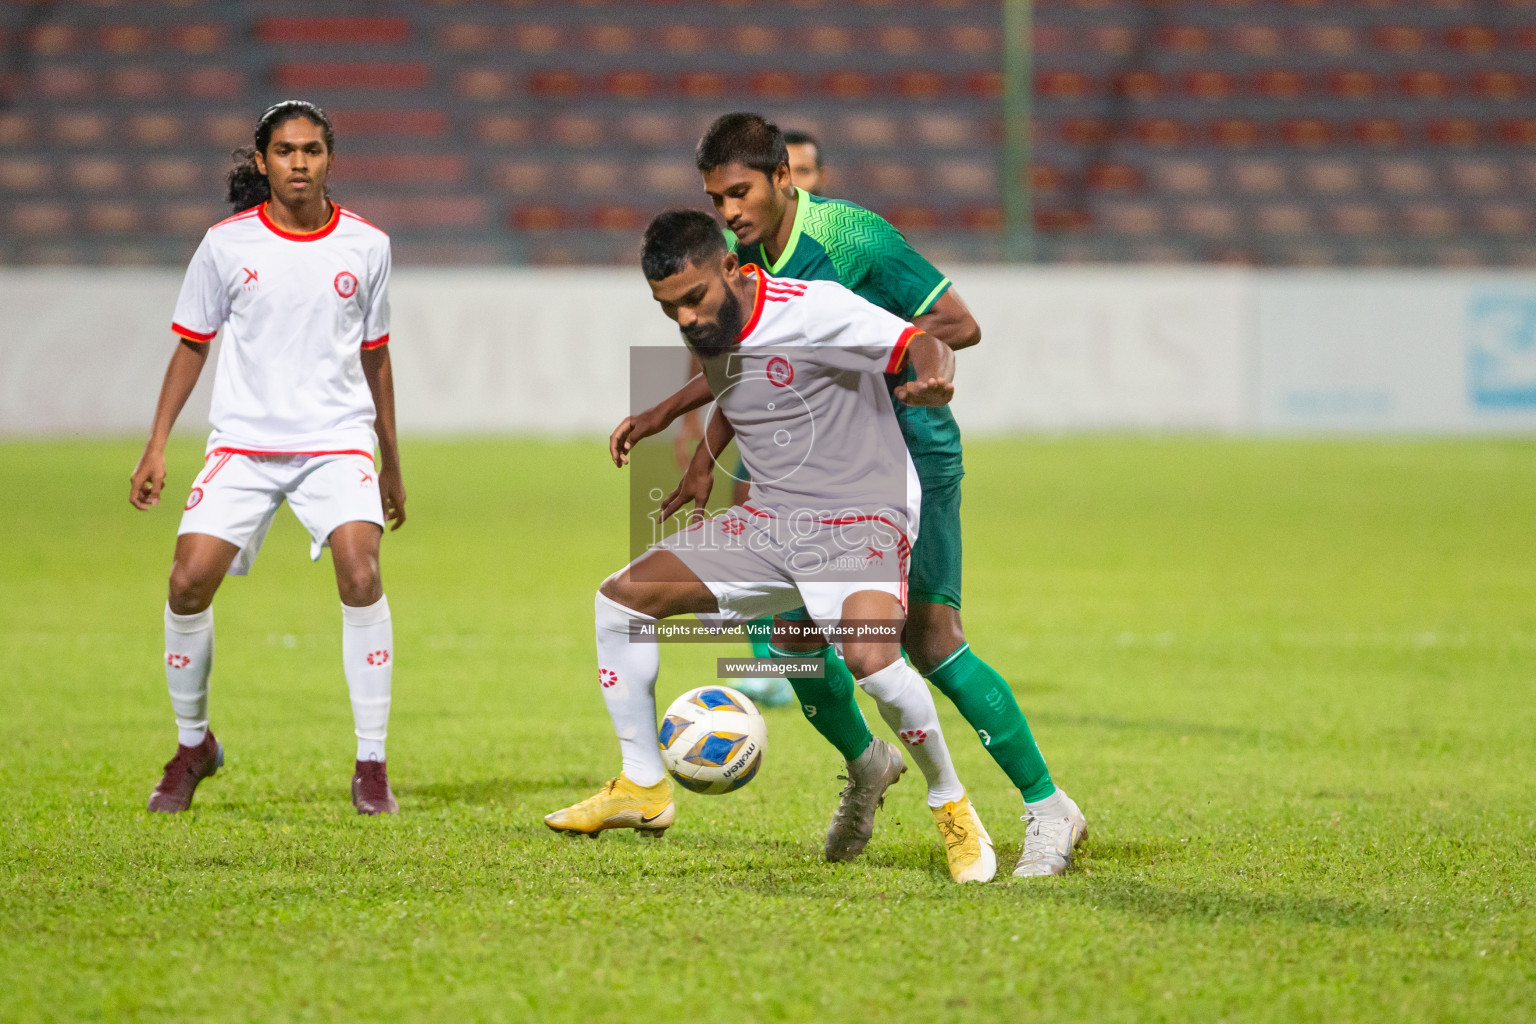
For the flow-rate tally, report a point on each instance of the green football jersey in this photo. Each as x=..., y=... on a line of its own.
x=833, y=240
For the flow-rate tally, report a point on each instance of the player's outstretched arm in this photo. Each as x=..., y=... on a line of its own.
x=180, y=378
x=633, y=429
x=933, y=368
x=381, y=381
x=951, y=322
x=699, y=479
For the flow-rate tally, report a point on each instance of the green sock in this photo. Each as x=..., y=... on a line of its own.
x=828, y=703
x=758, y=633
x=985, y=700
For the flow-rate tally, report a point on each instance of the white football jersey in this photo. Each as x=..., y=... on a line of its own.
x=804, y=390
x=297, y=310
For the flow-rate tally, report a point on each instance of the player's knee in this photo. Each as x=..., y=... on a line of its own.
x=360, y=585
x=865, y=660
x=189, y=591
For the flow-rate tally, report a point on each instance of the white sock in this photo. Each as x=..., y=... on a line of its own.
x=907, y=707
x=368, y=659
x=1053, y=806
x=627, y=673
x=188, y=660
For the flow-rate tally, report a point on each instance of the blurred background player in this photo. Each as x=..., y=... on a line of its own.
x=807, y=171
x=302, y=392
x=753, y=335
x=745, y=164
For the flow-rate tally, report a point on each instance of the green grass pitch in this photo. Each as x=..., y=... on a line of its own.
x=1292, y=683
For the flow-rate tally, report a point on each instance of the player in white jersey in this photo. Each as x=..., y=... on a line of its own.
x=303, y=390
x=795, y=368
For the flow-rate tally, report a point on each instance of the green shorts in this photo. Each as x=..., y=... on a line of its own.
x=934, y=576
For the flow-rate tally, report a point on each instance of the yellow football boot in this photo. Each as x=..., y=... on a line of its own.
x=619, y=804
x=966, y=843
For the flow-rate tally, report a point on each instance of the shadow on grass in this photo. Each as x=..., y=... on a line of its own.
x=1148, y=900
x=1168, y=727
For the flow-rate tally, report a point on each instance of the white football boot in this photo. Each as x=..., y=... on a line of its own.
x=1049, y=839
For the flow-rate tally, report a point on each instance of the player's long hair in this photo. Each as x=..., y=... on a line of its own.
x=248, y=187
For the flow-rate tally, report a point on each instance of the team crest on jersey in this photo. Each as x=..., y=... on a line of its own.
x=779, y=372
x=346, y=284
x=195, y=497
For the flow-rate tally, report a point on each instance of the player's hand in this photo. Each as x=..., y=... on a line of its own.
x=695, y=486
x=933, y=391
x=392, y=492
x=630, y=432
x=147, y=480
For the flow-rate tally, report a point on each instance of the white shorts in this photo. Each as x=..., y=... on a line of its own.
x=236, y=497
x=756, y=564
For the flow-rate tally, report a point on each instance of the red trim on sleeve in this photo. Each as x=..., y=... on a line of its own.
x=752, y=270
x=899, y=354
x=298, y=236
x=191, y=335
x=379, y=342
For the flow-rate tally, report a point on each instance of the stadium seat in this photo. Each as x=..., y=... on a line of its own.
x=81, y=129
x=173, y=174
x=1256, y=40
x=1210, y=85
x=1236, y=132
x=155, y=129
x=1518, y=131
x=51, y=39
x=1333, y=40
x=847, y=85
x=1405, y=176
x=522, y=176
x=1424, y=85
x=684, y=39
x=214, y=84
x=1332, y=177
x=982, y=218
x=611, y=38
x=40, y=218
x=555, y=83
x=424, y=212
x=889, y=178
x=188, y=219
x=1380, y=132
x=1479, y=176
x=1399, y=39
x=379, y=31
x=64, y=83
x=675, y=178
x=138, y=83
x=16, y=129
x=914, y=218
x=577, y=130
x=1141, y=86
x=487, y=84
x=1066, y=85
x=1112, y=40
x=229, y=129
x=537, y=38
x=25, y=175
x=1502, y=86
x=656, y=129
x=424, y=124
x=1214, y=220
x=1505, y=219
x=352, y=76
x=1473, y=40
x=199, y=39
x=1132, y=218
x=1113, y=177
x=870, y=131
x=1280, y=84
x=828, y=39
x=1258, y=176
x=597, y=177
x=1159, y=132
x=1184, y=39
x=1192, y=177
x=1306, y=132
x=401, y=168
x=965, y=178
x=921, y=85
x=900, y=39
x=1457, y=132
x=125, y=39
x=944, y=131
x=1284, y=219
x=1429, y=219
x=1353, y=84
x=540, y=218
x=112, y=218
x=1357, y=219
x=631, y=84
x=619, y=218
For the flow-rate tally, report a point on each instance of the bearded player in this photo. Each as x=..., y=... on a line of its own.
x=796, y=370
x=302, y=392
x=793, y=233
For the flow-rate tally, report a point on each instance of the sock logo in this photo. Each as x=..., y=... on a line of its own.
x=378, y=658
x=608, y=677
x=913, y=737
x=986, y=737
x=177, y=660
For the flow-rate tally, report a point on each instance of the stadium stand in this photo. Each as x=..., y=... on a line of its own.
x=1277, y=132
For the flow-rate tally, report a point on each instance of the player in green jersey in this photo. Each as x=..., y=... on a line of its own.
x=791, y=233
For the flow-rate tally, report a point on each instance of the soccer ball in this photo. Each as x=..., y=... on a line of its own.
x=712, y=740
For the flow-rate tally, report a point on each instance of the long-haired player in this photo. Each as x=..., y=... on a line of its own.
x=302, y=393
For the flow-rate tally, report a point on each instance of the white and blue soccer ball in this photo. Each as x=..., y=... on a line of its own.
x=712, y=739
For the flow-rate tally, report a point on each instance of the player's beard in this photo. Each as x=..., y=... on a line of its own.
x=715, y=338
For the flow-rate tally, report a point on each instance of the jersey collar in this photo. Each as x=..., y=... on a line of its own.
x=802, y=203
x=300, y=236
x=752, y=270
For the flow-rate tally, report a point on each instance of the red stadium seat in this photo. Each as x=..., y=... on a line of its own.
x=1113, y=40
x=598, y=177
x=1113, y=177
x=1284, y=219
x=1424, y=85
x=214, y=84
x=1278, y=84
x=1237, y=132
x=984, y=84
x=333, y=30
x=632, y=84
x=504, y=129
x=467, y=38
x=1209, y=85
x=1159, y=132
x=16, y=129
x=41, y=218
x=1518, y=131
x=370, y=75
x=915, y=218
x=1052, y=39
x=1381, y=132
x=1185, y=39
x=112, y=218
x=228, y=129
x=1483, y=176
x=522, y=176
x=401, y=168
x=1256, y=40
x=1259, y=176
x=1045, y=177
x=65, y=83
x=541, y=218
x=537, y=38
x=1460, y=132
x=981, y=218
x=1474, y=40
x=828, y=39
x=1399, y=38
x=1405, y=176
x=619, y=218
x=1306, y=132
x=686, y=39
x=755, y=39
x=24, y=175
x=138, y=83
x=965, y=177
x=978, y=40
x=1332, y=177
x=1506, y=219
x=487, y=84
x=1192, y=177
x=1503, y=86
x=577, y=130
x=1357, y=219
x=702, y=85
x=890, y=178
x=81, y=129
x=1065, y=85
x=778, y=85
x=870, y=131
x=199, y=39
x=656, y=129
x=1142, y=86
x=671, y=177
x=1214, y=220
x=848, y=85
x=1429, y=219
x=945, y=131
x=53, y=39
x=125, y=39
x=921, y=85
x=1337, y=40
x=1132, y=218
x=901, y=39
x=1353, y=84
x=422, y=124
x=611, y=38
x=173, y=174
x=555, y=83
